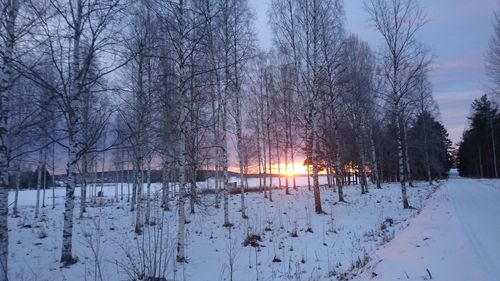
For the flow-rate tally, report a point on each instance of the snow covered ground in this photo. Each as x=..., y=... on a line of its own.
x=296, y=243
x=456, y=237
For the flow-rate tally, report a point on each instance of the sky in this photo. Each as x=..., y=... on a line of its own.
x=457, y=34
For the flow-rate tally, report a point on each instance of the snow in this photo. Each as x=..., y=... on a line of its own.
x=326, y=245
x=456, y=237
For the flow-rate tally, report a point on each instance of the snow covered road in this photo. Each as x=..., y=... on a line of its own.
x=477, y=207
x=456, y=237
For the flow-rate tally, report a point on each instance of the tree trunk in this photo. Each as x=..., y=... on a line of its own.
x=361, y=166
x=315, y=160
x=164, y=188
x=493, y=148
x=138, y=214
x=182, y=194
x=270, y=147
x=183, y=140
x=292, y=158
x=69, y=203
x=259, y=156
x=338, y=169
x=83, y=186
x=192, y=194
x=407, y=156
x=38, y=184
x=134, y=189
x=122, y=172
x=264, y=152
x=116, y=186
x=308, y=178
x=287, y=174
x=18, y=185
x=127, y=178
x=374, y=159
x=406, y=205
x=53, y=176
x=44, y=180
x=148, y=195
x=10, y=9
x=481, y=170
x=227, y=223
x=239, y=137
x=426, y=151
x=278, y=157
x=362, y=170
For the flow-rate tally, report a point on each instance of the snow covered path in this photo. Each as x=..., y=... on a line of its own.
x=456, y=237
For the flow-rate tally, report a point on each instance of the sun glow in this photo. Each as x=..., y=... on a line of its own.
x=290, y=170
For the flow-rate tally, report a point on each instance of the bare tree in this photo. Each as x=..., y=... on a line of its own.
x=9, y=33
x=309, y=33
x=359, y=67
x=404, y=58
x=242, y=49
x=72, y=41
x=493, y=55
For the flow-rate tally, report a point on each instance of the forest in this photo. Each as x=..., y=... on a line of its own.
x=477, y=152
x=158, y=96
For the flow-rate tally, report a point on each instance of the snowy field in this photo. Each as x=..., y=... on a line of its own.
x=296, y=243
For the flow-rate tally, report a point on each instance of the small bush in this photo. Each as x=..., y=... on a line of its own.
x=252, y=240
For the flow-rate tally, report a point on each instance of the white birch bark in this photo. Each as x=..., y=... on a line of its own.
x=407, y=156
x=268, y=131
x=239, y=143
x=134, y=188
x=18, y=185
x=374, y=159
x=122, y=172
x=69, y=203
x=8, y=17
x=182, y=194
x=164, y=188
x=362, y=171
x=225, y=164
x=401, y=163
x=317, y=195
x=181, y=258
x=339, y=174
x=44, y=180
x=264, y=151
x=53, y=176
x=38, y=184
x=138, y=213
x=148, y=194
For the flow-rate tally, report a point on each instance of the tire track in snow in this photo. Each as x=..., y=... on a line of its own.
x=477, y=207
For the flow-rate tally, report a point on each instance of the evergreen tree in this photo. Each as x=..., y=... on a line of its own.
x=477, y=154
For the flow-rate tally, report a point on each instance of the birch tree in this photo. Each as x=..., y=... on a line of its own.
x=404, y=58
x=242, y=49
x=8, y=33
x=303, y=31
x=359, y=68
x=72, y=42
x=493, y=54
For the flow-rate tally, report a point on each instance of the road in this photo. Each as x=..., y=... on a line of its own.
x=477, y=206
x=455, y=237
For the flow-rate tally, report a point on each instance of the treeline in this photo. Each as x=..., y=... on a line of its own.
x=478, y=150
x=178, y=85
